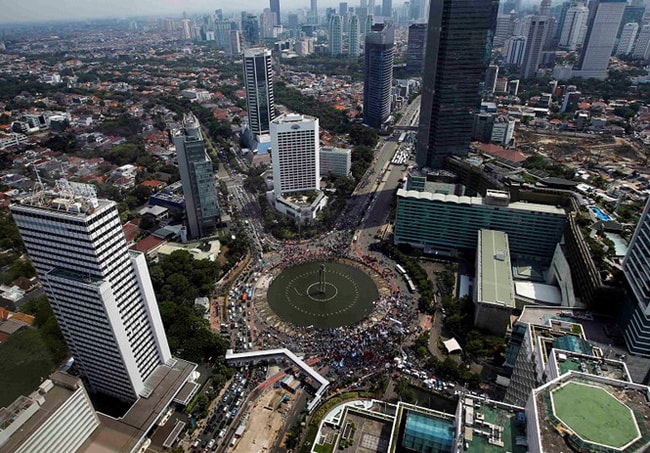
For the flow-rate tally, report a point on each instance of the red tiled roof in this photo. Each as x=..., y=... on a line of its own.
x=146, y=244
x=498, y=151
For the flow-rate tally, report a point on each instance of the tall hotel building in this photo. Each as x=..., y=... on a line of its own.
x=258, y=80
x=636, y=268
x=295, y=154
x=457, y=53
x=378, y=76
x=99, y=291
x=197, y=177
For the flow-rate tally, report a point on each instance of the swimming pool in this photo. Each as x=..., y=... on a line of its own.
x=600, y=215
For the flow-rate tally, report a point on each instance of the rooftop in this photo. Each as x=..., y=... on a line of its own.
x=494, y=277
x=592, y=414
x=491, y=427
x=479, y=201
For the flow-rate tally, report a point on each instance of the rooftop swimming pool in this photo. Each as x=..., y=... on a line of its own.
x=600, y=214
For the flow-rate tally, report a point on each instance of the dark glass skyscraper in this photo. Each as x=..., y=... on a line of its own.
x=275, y=8
x=415, y=48
x=378, y=73
x=457, y=52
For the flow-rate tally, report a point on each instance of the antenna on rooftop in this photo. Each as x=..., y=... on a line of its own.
x=38, y=193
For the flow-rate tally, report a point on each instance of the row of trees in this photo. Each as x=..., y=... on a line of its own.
x=416, y=272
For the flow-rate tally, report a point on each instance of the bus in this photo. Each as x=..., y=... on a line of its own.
x=401, y=137
x=410, y=285
x=400, y=269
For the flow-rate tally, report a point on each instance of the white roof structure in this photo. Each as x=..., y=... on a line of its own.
x=452, y=345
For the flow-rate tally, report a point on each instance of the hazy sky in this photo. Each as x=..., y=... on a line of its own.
x=39, y=10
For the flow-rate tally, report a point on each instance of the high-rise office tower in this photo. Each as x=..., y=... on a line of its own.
x=258, y=81
x=294, y=154
x=457, y=51
x=387, y=8
x=353, y=37
x=516, y=50
x=642, y=45
x=491, y=75
x=336, y=35
x=343, y=8
x=415, y=48
x=416, y=9
x=604, y=19
x=636, y=268
x=100, y=293
x=222, y=30
x=235, y=42
x=632, y=13
x=545, y=8
x=378, y=74
x=574, y=27
x=314, y=6
x=275, y=9
x=626, y=43
x=267, y=22
x=534, y=46
x=197, y=177
x=250, y=29
x=504, y=29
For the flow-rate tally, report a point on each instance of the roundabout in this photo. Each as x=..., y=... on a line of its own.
x=322, y=294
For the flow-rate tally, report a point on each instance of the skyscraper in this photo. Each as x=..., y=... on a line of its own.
x=250, y=29
x=415, y=48
x=258, y=81
x=197, y=177
x=574, y=27
x=535, y=40
x=353, y=37
x=100, y=293
x=626, y=43
x=604, y=19
x=516, y=49
x=457, y=52
x=378, y=74
x=642, y=45
x=387, y=8
x=267, y=22
x=336, y=35
x=294, y=154
x=636, y=268
x=275, y=8
x=416, y=9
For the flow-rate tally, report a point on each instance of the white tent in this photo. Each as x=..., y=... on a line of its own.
x=452, y=346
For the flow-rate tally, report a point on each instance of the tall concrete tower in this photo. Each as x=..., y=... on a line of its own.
x=378, y=74
x=99, y=291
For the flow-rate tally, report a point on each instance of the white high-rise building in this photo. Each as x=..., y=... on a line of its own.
x=295, y=154
x=336, y=35
x=600, y=39
x=258, y=80
x=628, y=36
x=642, y=46
x=636, y=268
x=353, y=41
x=575, y=27
x=99, y=291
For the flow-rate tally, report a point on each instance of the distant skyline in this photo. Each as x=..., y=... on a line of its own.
x=46, y=10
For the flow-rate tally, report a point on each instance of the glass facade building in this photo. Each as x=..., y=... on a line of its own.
x=457, y=52
x=378, y=77
x=435, y=221
x=258, y=81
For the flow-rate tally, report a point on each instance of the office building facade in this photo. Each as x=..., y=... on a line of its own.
x=457, y=54
x=378, y=74
x=605, y=18
x=275, y=9
x=641, y=48
x=387, y=8
x=416, y=48
x=337, y=161
x=636, y=268
x=434, y=221
x=250, y=29
x=336, y=35
x=258, y=81
x=295, y=154
x=574, y=27
x=100, y=293
x=535, y=40
x=197, y=176
x=516, y=50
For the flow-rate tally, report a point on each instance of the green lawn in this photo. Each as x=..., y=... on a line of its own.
x=24, y=361
x=594, y=414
